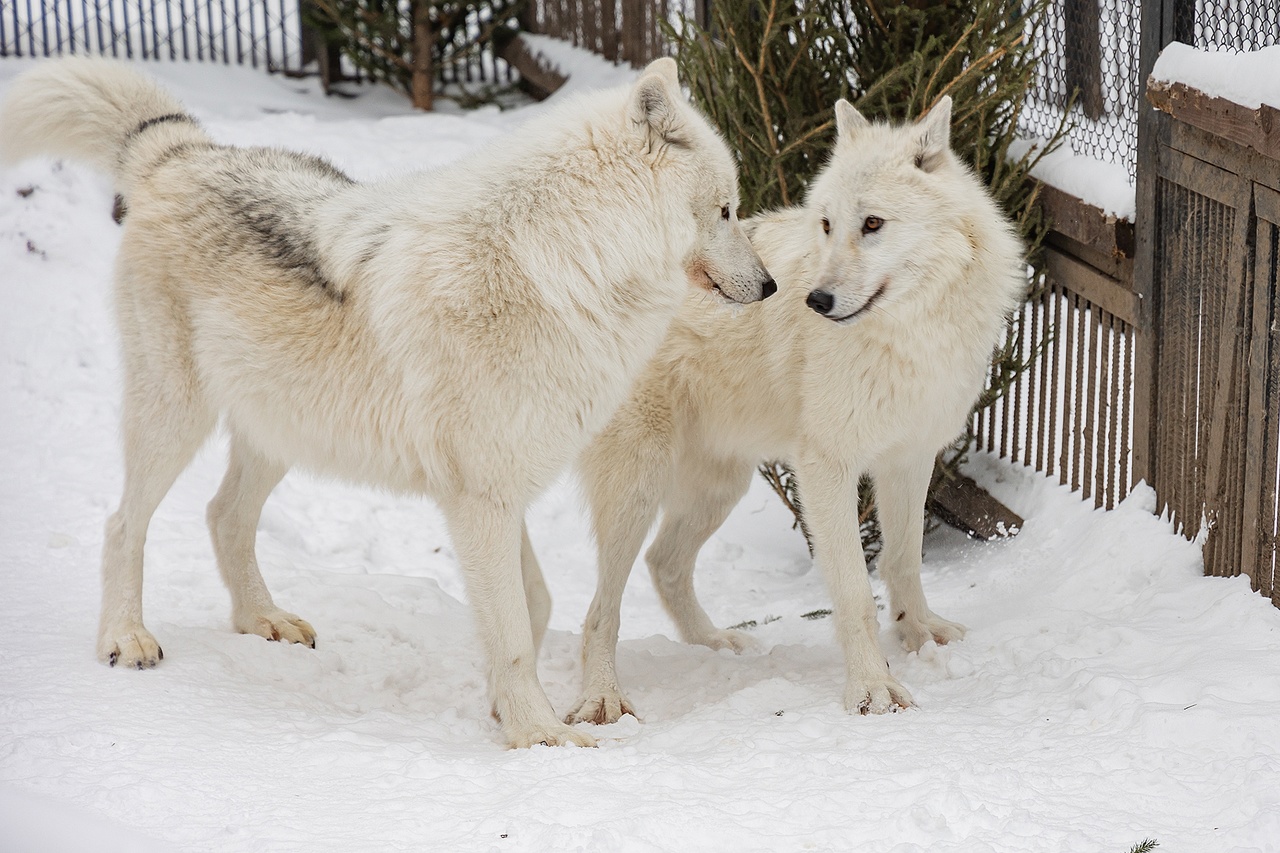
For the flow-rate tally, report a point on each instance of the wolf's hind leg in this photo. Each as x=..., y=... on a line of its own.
x=163, y=425
x=704, y=493
x=233, y=524
x=624, y=474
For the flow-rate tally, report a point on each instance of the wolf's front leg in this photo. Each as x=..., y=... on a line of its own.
x=829, y=494
x=902, y=485
x=488, y=539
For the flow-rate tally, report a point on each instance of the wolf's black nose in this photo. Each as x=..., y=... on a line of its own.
x=769, y=288
x=820, y=301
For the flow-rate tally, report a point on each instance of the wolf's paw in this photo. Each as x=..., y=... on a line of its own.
x=278, y=625
x=728, y=638
x=550, y=734
x=876, y=695
x=600, y=708
x=132, y=647
x=916, y=632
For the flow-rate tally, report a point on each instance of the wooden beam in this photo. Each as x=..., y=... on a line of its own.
x=538, y=78
x=961, y=503
x=1103, y=291
x=1258, y=129
x=1086, y=223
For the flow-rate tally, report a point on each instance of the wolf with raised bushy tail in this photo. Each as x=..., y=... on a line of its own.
x=459, y=333
x=895, y=281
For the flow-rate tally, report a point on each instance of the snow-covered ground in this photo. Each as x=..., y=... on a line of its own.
x=1106, y=691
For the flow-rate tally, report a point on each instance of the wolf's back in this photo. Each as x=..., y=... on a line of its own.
x=93, y=110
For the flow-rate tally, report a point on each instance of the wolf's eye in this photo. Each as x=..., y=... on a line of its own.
x=826, y=225
x=871, y=223
x=724, y=213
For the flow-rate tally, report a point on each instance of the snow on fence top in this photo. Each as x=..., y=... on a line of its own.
x=1249, y=79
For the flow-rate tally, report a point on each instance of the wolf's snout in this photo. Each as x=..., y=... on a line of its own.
x=820, y=301
x=769, y=288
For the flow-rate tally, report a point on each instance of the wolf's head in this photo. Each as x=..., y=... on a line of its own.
x=892, y=212
x=697, y=173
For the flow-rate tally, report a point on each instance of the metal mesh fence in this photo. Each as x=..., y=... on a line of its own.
x=1091, y=52
x=1236, y=24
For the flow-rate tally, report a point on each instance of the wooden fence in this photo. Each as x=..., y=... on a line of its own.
x=619, y=30
x=1208, y=266
x=1071, y=414
x=1159, y=341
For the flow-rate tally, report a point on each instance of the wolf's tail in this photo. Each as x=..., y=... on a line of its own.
x=97, y=111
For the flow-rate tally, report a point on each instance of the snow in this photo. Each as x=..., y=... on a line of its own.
x=1102, y=184
x=1250, y=79
x=583, y=68
x=1106, y=691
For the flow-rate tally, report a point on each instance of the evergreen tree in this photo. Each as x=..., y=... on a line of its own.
x=404, y=44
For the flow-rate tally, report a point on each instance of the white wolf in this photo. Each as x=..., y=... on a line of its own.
x=897, y=276
x=460, y=333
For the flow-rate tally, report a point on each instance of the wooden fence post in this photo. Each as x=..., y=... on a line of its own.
x=1156, y=32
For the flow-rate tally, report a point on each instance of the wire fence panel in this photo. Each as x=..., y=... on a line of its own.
x=1235, y=25
x=1070, y=414
x=260, y=33
x=1091, y=56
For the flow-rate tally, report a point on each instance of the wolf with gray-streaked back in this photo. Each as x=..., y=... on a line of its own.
x=895, y=281
x=460, y=333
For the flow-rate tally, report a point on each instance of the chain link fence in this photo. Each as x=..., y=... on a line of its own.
x=1091, y=56
x=1235, y=24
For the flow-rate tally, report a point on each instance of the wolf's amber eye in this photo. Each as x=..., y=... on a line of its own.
x=871, y=223
x=724, y=213
x=826, y=225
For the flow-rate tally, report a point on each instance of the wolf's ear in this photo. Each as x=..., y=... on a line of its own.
x=849, y=122
x=934, y=135
x=666, y=68
x=653, y=108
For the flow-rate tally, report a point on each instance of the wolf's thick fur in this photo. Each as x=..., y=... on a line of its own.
x=459, y=333
x=919, y=272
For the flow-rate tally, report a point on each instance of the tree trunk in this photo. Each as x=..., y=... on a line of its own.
x=423, y=43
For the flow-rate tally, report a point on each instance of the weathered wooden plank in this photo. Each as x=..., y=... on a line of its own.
x=609, y=36
x=963, y=504
x=1086, y=223
x=1203, y=178
x=1221, y=385
x=1071, y=316
x=1042, y=460
x=1153, y=132
x=1055, y=350
x=538, y=78
x=1258, y=129
x=1105, y=292
x=1258, y=548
